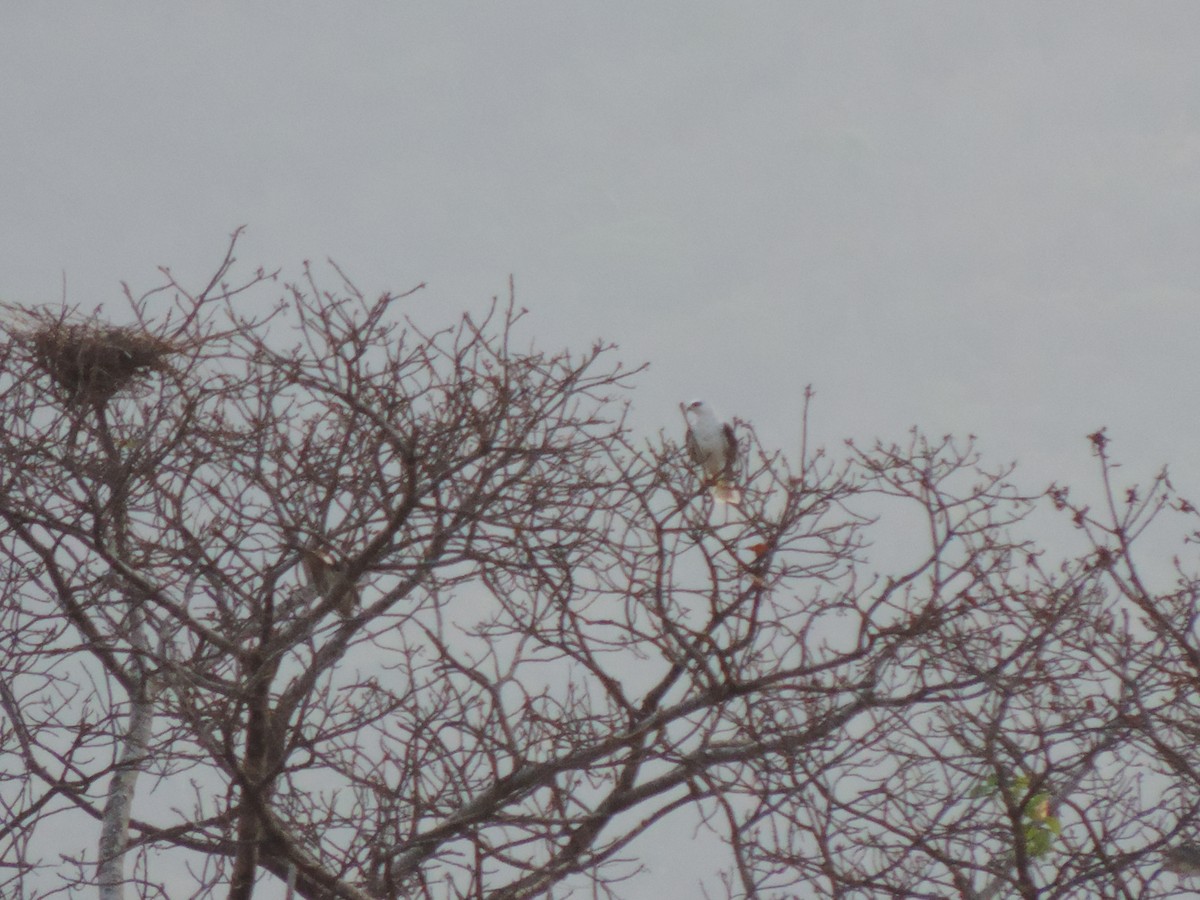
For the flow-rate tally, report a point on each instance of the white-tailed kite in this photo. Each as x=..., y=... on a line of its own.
x=326, y=575
x=713, y=447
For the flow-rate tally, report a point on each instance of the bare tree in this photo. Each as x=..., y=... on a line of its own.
x=319, y=596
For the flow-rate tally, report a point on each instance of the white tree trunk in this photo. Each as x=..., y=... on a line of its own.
x=114, y=830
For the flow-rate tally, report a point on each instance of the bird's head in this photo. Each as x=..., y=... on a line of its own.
x=699, y=413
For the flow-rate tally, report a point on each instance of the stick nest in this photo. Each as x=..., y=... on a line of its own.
x=91, y=361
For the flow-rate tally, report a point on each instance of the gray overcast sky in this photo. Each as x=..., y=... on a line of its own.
x=974, y=217
x=966, y=216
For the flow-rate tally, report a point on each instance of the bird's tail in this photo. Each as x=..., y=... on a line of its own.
x=726, y=492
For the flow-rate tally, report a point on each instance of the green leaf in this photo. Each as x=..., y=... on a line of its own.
x=986, y=788
x=1038, y=840
x=1038, y=807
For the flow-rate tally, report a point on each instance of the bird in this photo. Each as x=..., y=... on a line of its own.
x=712, y=446
x=1183, y=858
x=327, y=574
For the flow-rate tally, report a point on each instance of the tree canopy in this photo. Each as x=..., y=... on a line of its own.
x=317, y=597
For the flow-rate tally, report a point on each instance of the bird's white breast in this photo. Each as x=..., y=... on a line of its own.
x=709, y=437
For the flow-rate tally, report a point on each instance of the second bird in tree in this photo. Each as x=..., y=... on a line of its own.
x=326, y=574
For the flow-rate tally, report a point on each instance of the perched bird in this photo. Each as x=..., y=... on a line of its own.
x=326, y=574
x=1183, y=858
x=713, y=447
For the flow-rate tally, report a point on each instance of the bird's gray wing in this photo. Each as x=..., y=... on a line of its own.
x=731, y=451
x=693, y=449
